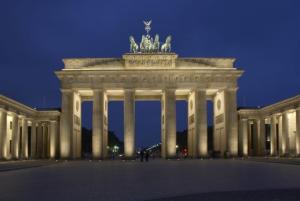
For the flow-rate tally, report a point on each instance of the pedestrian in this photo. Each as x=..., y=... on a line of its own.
x=147, y=156
x=142, y=155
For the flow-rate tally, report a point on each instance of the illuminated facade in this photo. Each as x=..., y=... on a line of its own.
x=150, y=76
x=150, y=72
x=273, y=130
x=26, y=133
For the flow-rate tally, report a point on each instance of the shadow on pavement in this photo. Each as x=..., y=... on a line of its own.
x=257, y=195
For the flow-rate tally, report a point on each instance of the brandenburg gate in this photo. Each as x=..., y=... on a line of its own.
x=150, y=72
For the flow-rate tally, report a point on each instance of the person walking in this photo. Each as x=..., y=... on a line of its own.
x=147, y=155
x=142, y=155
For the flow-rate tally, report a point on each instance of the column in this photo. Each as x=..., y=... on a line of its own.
x=244, y=136
x=3, y=134
x=285, y=133
x=66, y=124
x=39, y=141
x=44, y=141
x=231, y=122
x=98, y=100
x=273, y=136
x=262, y=137
x=192, y=126
x=170, y=123
x=298, y=130
x=129, y=123
x=255, y=137
x=33, y=139
x=15, y=136
x=201, y=122
x=24, y=139
x=53, y=139
x=105, y=126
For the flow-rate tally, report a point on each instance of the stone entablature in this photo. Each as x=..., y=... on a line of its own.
x=144, y=78
x=148, y=61
x=276, y=108
x=10, y=105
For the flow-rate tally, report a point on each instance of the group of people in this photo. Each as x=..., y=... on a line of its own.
x=143, y=155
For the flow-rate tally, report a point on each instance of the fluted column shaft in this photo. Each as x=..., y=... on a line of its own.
x=298, y=131
x=39, y=145
x=255, y=137
x=66, y=124
x=262, y=137
x=98, y=100
x=33, y=140
x=285, y=133
x=53, y=139
x=244, y=135
x=129, y=123
x=170, y=123
x=273, y=136
x=15, y=137
x=3, y=134
x=231, y=122
x=201, y=122
x=24, y=139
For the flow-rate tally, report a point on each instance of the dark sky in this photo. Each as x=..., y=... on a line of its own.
x=264, y=36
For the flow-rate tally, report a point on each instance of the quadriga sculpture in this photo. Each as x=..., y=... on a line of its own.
x=133, y=46
x=166, y=47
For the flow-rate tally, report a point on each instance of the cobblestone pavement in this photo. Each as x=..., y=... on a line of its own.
x=156, y=180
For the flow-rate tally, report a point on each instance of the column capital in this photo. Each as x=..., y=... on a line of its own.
x=129, y=89
x=66, y=90
x=2, y=109
x=97, y=89
x=285, y=112
x=234, y=89
x=169, y=89
x=22, y=117
x=14, y=114
x=244, y=119
x=199, y=89
x=297, y=108
x=53, y=121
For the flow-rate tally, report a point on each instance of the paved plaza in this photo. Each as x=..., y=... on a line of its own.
x=217, y=179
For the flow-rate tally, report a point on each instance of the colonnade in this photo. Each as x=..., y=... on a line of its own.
x=275, y=134
x=23, y=137
x=197, y=123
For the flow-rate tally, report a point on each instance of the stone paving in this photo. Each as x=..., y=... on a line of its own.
x=156, y=180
